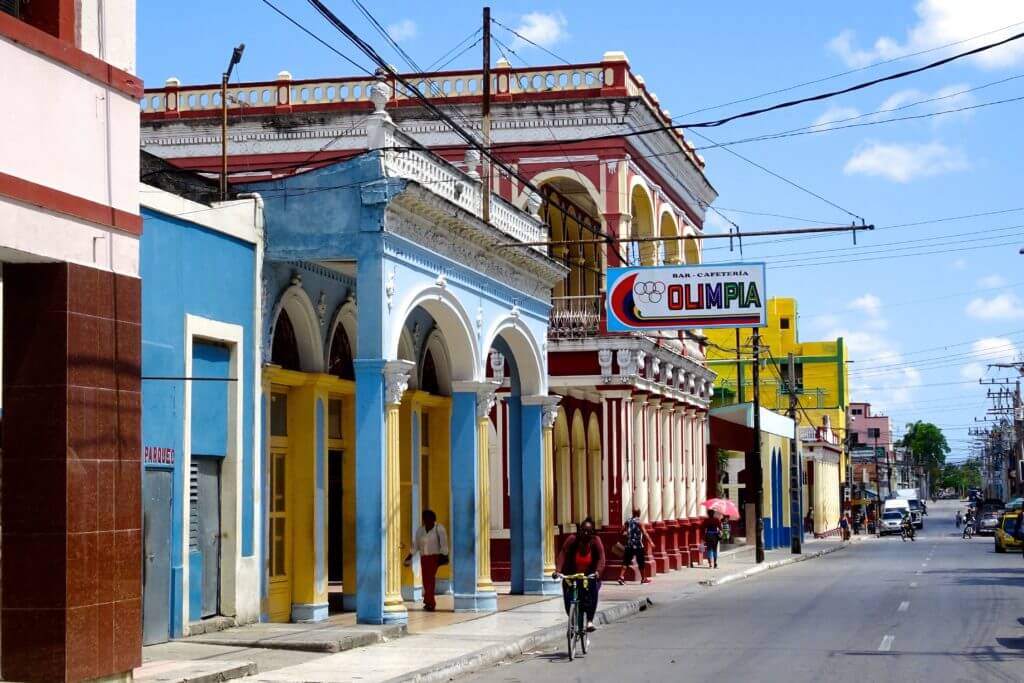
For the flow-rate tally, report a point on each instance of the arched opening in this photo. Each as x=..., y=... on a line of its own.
x=572, y=212
x=284, y=350
x=670, y=247
x=595, y=491
x=563, y=473
x=642, y=212
x=339, y=360
x=579, y=468
x=691, y=251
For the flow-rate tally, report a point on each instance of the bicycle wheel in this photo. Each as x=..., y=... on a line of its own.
x=582, y=631
x=571, y=630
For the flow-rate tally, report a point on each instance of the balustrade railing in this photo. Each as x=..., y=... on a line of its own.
x=575, y=317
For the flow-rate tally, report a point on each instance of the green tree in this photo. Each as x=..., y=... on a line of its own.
x=928, y=445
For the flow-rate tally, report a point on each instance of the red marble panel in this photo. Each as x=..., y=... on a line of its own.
x=128, y=298
x=129, y=356
x=82, y=492
x=81, y=643
x=33, y=572
x=90, y=291
x=107, y=554
x=35, y=422
x=33, y=495
x=130, y=425
x=33, y=644
x=128, y=495
x=90, y=351
x=105, y=636
x=92, y=423
x=128, y=565
x=34, y=355
x=82, y=570
x=127, y=634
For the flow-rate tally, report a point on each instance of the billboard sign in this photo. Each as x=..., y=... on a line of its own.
x=686, y=297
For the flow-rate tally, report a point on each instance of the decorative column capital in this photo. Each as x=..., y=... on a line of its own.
x=549, y=408
x=396, y=380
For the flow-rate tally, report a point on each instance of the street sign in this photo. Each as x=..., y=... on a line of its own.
x=686, y=297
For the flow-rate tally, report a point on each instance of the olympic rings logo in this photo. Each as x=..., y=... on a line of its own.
x=649, y=290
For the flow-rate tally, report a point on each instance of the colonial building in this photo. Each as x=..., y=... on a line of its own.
x=631, y=425
x=69, y=251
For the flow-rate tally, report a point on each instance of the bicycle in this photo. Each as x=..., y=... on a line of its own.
x=576, y=630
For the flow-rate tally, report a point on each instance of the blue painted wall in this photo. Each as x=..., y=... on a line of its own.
x=188, y=269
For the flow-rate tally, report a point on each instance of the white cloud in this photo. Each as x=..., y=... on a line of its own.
x=1006, y=306
x=402, y=30
x=941, y=22
x=868, y=303
x=992, y=281
x=959, y=264
x=989, y=350
x=833, y=115
x=902, y=163
x=541, y=28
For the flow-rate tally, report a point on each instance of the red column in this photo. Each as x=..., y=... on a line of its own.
x=72, y=514
x=614, y=435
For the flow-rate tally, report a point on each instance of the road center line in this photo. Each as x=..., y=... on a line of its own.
x=904, y=606
x=886, y=643
x=913, y=584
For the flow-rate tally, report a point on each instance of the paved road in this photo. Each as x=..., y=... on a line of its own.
x=938, y=609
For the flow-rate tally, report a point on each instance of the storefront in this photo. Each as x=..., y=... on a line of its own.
x=199, y=363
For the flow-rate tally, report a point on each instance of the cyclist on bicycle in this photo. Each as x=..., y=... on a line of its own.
x=583, y=553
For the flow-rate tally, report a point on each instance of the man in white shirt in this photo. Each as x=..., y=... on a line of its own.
x=431, y=543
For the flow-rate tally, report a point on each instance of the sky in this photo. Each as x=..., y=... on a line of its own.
x=925, y=302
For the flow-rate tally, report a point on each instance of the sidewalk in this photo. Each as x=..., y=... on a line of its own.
x=437, y=646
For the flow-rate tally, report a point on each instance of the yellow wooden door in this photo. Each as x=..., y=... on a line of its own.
x=279, y=542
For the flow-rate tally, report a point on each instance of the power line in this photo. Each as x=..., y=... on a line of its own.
x=843, y=261
x=814, y=130
x=932, y=221
x=850, y=71
x=440, y=59
x=317, y=38
x=783, y=178
x=804, y=100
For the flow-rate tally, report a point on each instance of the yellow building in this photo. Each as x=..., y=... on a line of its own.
x=820, y=377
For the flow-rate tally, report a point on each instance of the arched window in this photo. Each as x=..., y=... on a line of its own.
x=339, y=363
x=428, y=379
x=284, y=350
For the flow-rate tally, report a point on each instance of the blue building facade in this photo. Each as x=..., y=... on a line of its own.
x=386, y=299
x=200, y=344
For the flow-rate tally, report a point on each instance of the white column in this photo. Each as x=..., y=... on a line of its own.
x=679, y=448
x=653, y=459
x=668, y=490
x=640, y=454
x=691, y=471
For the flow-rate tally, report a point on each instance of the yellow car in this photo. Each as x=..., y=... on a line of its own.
x=1004, y=533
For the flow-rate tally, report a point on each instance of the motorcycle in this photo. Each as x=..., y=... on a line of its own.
x=906, y=533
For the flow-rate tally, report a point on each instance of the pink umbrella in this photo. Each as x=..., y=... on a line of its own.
x=722, y=506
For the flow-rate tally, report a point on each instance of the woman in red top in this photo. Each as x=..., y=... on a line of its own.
x=583, y=553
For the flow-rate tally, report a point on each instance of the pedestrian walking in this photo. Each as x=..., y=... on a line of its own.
x=712, y=535
x=959, y=519
x=809, y=521
x=844, y=527
x=430, y=542
x=583, y=553
x=636, y=539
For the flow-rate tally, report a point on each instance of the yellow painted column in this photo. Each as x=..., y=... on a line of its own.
x=396, y=381
x=548, y=416
x=483, y=502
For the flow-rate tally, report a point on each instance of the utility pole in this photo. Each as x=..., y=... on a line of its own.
x=758, y=473
x=795, y=522
x=236, y=57
x=486, y=118
x=739, y=370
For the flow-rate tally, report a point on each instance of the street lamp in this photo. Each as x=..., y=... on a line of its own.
x=236, y=57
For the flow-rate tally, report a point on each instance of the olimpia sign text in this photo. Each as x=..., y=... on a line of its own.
x=683, y=297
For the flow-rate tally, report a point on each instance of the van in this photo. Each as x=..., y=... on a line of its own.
x=899, y=504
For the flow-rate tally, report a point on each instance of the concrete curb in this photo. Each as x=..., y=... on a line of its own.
x=767, y=566
x=210, y=671
x=328, y=640
x=490, y=656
